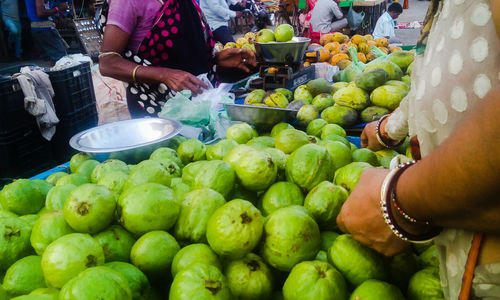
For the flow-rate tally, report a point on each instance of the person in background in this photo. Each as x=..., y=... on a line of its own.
x=451, y=114
x=10, y=17
x=327, y=17
x=237, y=5
x=45, y=36
x=386, y=23
x=218, y=14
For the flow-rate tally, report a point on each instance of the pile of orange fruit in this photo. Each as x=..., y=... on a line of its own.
x=333, y=48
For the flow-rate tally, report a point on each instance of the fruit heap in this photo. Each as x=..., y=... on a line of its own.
x=283, y=33
x=251, y=217
x=333, y=48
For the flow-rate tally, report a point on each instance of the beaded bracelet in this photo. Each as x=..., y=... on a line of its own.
x=385, y=142
x=386, y=197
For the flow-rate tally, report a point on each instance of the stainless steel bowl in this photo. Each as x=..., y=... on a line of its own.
x=262, y=117
x=130, y=140
x=287, y=52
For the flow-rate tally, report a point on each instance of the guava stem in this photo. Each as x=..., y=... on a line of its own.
x=11, y=232
x=83, y=208
x=253, y=265
x=91, y=261
x=213, y=286
x=245, y=218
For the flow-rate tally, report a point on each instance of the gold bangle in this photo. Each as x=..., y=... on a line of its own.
x=103, y=54
x=135, y=71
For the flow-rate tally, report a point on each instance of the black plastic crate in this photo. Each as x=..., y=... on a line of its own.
x=72, y=124
x=24, y=153
x=73, y=89
x=13, y=116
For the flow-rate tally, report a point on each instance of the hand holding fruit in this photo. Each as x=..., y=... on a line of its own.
x=179, y=80
x=369, y=137
x=361, y=215
x=236, y=58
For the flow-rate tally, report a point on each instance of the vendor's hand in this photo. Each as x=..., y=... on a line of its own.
x=369, y=137
x=361, y=215
x=178, y=80
x=63, y=6
x=236, y=58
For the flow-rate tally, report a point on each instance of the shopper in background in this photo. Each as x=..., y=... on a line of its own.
x=218, y=14
x=327, y=17
x=45, y=36
x=453, y=108
x=10, y=17
x=387, y=22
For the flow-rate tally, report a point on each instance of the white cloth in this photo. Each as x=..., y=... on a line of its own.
x=461, y=63
x=217, y=13
x=38, y=93
x=384, y=27
x=327, y=17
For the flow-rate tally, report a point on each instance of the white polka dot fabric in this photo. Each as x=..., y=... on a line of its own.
x=458, y=68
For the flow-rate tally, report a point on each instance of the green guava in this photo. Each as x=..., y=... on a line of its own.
x=280, y=194
x=14, y=240
x=265, y=36
x=315, y=280
x=335, y=138
x=180, y=190
x=279, y=157
x=283, y=33
x=69, y=255
x=219, y=150
x=425, y=284
x=244, y=194
x=48, y=228
x=262, y=142
x=388, y=96
x=290, y=236
x=307, y=114
x=200, y=282
x=241, y=133
x=401, y=58
x=234, y=156
x=352, y=96
x=3, y=293
x=97, y=283
x=174, y=142
x=90, y=208
x=332, y=129
x=340, y=154
x=429, y=258
x=249, y=278
x=324, y=202
x=357, y=262
x=137, y=281
x=255, y=96
x=402, y=267
x=196, y=209
x=45, y=293
x=290, y=140
x=22, y=197
x=87, y=167
x=146, y=207
x=75, y=179
x=24, y=276
x=303, y=94
x=166, y=153
x=315, y=127
x=288, y=94
x=321, y=256
x=30, y=219
x=234, y=229
x=376, y=289
x=77, y=160
x=394, y=71
x=308, y=166
x=114, y=181
x=279, y=128
x=110, y=165
x=327, y=239
x=116, y=243
x=191, y=150
x=348, y=176
x=256, y=170
x=365, y=155
x=274, y=99
x=323, y=101
x=154, y=252
x=373, y=113
x=215, y=174
x=341, y=115
x=57, y=196
x=148, y=171
x=54, y=177
x=194, y=254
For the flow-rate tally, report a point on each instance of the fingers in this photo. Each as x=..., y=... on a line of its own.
x=340, y=223
x=364, y=139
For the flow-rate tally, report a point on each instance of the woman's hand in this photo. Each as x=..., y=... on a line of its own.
x=369, y=137
x=361, y=215
x=236, y=58
x=178, y=80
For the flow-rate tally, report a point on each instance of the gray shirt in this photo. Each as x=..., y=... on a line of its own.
x=324, y=14
x=9, y=9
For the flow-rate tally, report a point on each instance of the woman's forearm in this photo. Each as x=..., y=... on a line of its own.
x=123, y=69
x=457, y=185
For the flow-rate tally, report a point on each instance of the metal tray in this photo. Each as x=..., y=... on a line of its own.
x=262, y=117
x=282, y=53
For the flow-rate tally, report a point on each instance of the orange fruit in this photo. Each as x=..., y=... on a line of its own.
x=324, y=54
x=335, y=59
x=371, y=43
x=362, y=57
x=325, y=39
x=370, y=57
x=384, y=49
x=383, y=42
x=307, y=64
x=356, y=39
x=394, y=49
x=333, y=47
x=338, y=37
x=343, y=48
x=368, y=37
x=363, y=48
x=343, y=64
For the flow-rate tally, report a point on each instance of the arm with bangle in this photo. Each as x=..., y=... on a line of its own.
x=455, y=186
x=42, y=12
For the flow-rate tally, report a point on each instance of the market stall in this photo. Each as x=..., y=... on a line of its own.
x=249, y=214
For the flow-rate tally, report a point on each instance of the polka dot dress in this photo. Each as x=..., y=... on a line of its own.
x=460, y=65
